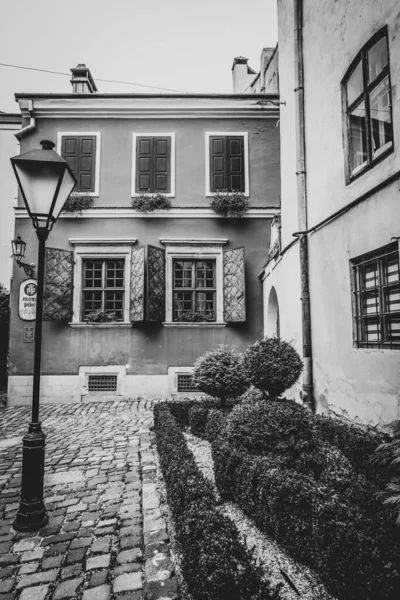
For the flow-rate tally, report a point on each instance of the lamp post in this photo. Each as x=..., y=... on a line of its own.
x=45, y=181
x=18, y=247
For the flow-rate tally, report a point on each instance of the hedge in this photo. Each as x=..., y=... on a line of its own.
x=214, y=563
x=272, y=460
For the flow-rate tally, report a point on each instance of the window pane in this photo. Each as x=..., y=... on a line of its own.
x=92, y=274
x=115, y=273
x=114, y=302
x=377, y=59
x=205, y=274
x=381, y=119
x=358, y=137
x=183, y=302
x=183, y=274
x=91, y=301
x=372, y=329
x=355, y=84
x=205, y=304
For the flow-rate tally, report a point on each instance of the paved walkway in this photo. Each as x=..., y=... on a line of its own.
x=106, y=538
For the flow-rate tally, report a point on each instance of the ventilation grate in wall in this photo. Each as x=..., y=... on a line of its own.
x=185, y=383
x=102, y=383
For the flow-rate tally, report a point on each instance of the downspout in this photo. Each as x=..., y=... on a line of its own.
x=308, y=392
x=32, y=124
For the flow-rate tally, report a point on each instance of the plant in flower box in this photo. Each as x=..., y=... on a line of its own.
x=227, y=203
x=146, y=202
x=100, y=316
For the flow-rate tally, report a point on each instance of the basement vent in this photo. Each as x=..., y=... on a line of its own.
x=185, y=383
x=102, y=383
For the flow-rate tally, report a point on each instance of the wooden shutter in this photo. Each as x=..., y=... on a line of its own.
x=162, y=165
x=58, y=285
x=234, y=286
x=218, y=175
x=137, y=285
x=155, y=284
x=80, y=154
x=144, y=164
x=235, y=163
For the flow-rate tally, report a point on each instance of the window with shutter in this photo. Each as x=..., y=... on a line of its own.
x=82, y=153
x=153, y=164
x=227, y=163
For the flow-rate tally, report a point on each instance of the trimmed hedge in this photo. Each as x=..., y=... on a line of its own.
x=214, y=564
x=272, y=460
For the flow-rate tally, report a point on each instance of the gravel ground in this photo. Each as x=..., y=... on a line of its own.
x=272, y=559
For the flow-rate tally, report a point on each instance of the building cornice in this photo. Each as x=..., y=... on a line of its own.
x=172, y=213
x=129, y=107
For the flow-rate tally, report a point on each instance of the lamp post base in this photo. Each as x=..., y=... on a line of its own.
x=32, y=514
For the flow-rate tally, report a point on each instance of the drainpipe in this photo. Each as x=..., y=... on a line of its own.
x=308, y=392
x=32, y=124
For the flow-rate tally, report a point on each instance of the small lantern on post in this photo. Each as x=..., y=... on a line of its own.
x=45, y=181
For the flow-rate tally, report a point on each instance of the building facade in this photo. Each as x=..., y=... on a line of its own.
x=342, y=200
x=171, y=284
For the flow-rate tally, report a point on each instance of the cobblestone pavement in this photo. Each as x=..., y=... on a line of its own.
x=106, y=538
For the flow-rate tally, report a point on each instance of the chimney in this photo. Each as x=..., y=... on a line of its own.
x=82, y=80
x=242, y=74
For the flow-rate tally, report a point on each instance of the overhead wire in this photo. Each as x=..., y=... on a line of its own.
x=96, y=79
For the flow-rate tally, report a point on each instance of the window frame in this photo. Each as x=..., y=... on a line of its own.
x=193, y=289
x=359, y=292
x=363, y=96
x=103, y=289
x=97, y=249
x=208, y=135
x=97, y=135
x=135, y=135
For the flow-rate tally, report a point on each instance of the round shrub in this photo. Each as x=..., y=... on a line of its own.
x=272, y=365
x=219, y=373
x=216, y=420
x=252, y=395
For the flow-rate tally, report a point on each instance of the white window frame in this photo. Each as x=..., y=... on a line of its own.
x=100, y=250
x=136, y=135
x=97, y=135
x=190, y=250
x=245, y=137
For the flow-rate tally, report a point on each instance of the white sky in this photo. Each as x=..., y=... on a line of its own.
x=178, y=44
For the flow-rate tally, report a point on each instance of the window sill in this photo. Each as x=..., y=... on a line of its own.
x=85, y=325
x=194, y=324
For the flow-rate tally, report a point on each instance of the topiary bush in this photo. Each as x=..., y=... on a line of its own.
x=198, y=420
x=215, y=565
x=219, y=373
x=388, y=456
x=272, y=365
x=215, y=424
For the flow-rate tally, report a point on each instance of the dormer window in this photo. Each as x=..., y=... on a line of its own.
x=368, y=102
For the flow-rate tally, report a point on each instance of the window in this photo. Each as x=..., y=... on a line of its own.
x=153, y=164
x=103, y=287
x=82, y=153
x=227, y=165
x=368, y=105
x=194, y=290
x=377, y=298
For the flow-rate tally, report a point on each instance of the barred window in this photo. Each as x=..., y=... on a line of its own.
x=103, y=287
x=368, y=100
x=377, y=298
x=194, y=290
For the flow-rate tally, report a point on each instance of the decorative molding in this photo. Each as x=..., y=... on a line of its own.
x=198, y=212
x=198, y=242
x=135, y=135
x=97, y=134
x=102, y=241
x=198, y=325
x=245, y=137
x=85, y=325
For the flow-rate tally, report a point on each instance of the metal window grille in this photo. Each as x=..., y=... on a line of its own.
x=194, y=290
x=376, y=278
x=102, y=383
x=185, y=383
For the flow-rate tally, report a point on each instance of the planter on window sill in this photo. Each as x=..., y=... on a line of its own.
x=151, y=202
x=100, y=325
x=229, y=204
x=198, y=324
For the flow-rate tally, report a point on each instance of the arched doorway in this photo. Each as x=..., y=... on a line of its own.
x=273, y=328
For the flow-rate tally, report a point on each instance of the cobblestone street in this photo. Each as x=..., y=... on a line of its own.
x=106, y=538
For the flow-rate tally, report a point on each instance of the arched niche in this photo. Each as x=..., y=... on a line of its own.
x=273, y=328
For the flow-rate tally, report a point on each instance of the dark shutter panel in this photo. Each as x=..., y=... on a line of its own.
x=235, y=159
x=87, y=162
x=162, y=165
x=58, y=285
x=144, y=164
x=155, y=284
x=218, y=179
x=137, y=285
x=234, y=286
x=70, y=151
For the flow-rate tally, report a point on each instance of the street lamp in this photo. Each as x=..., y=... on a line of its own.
x=45, y=181
x=18, y=247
